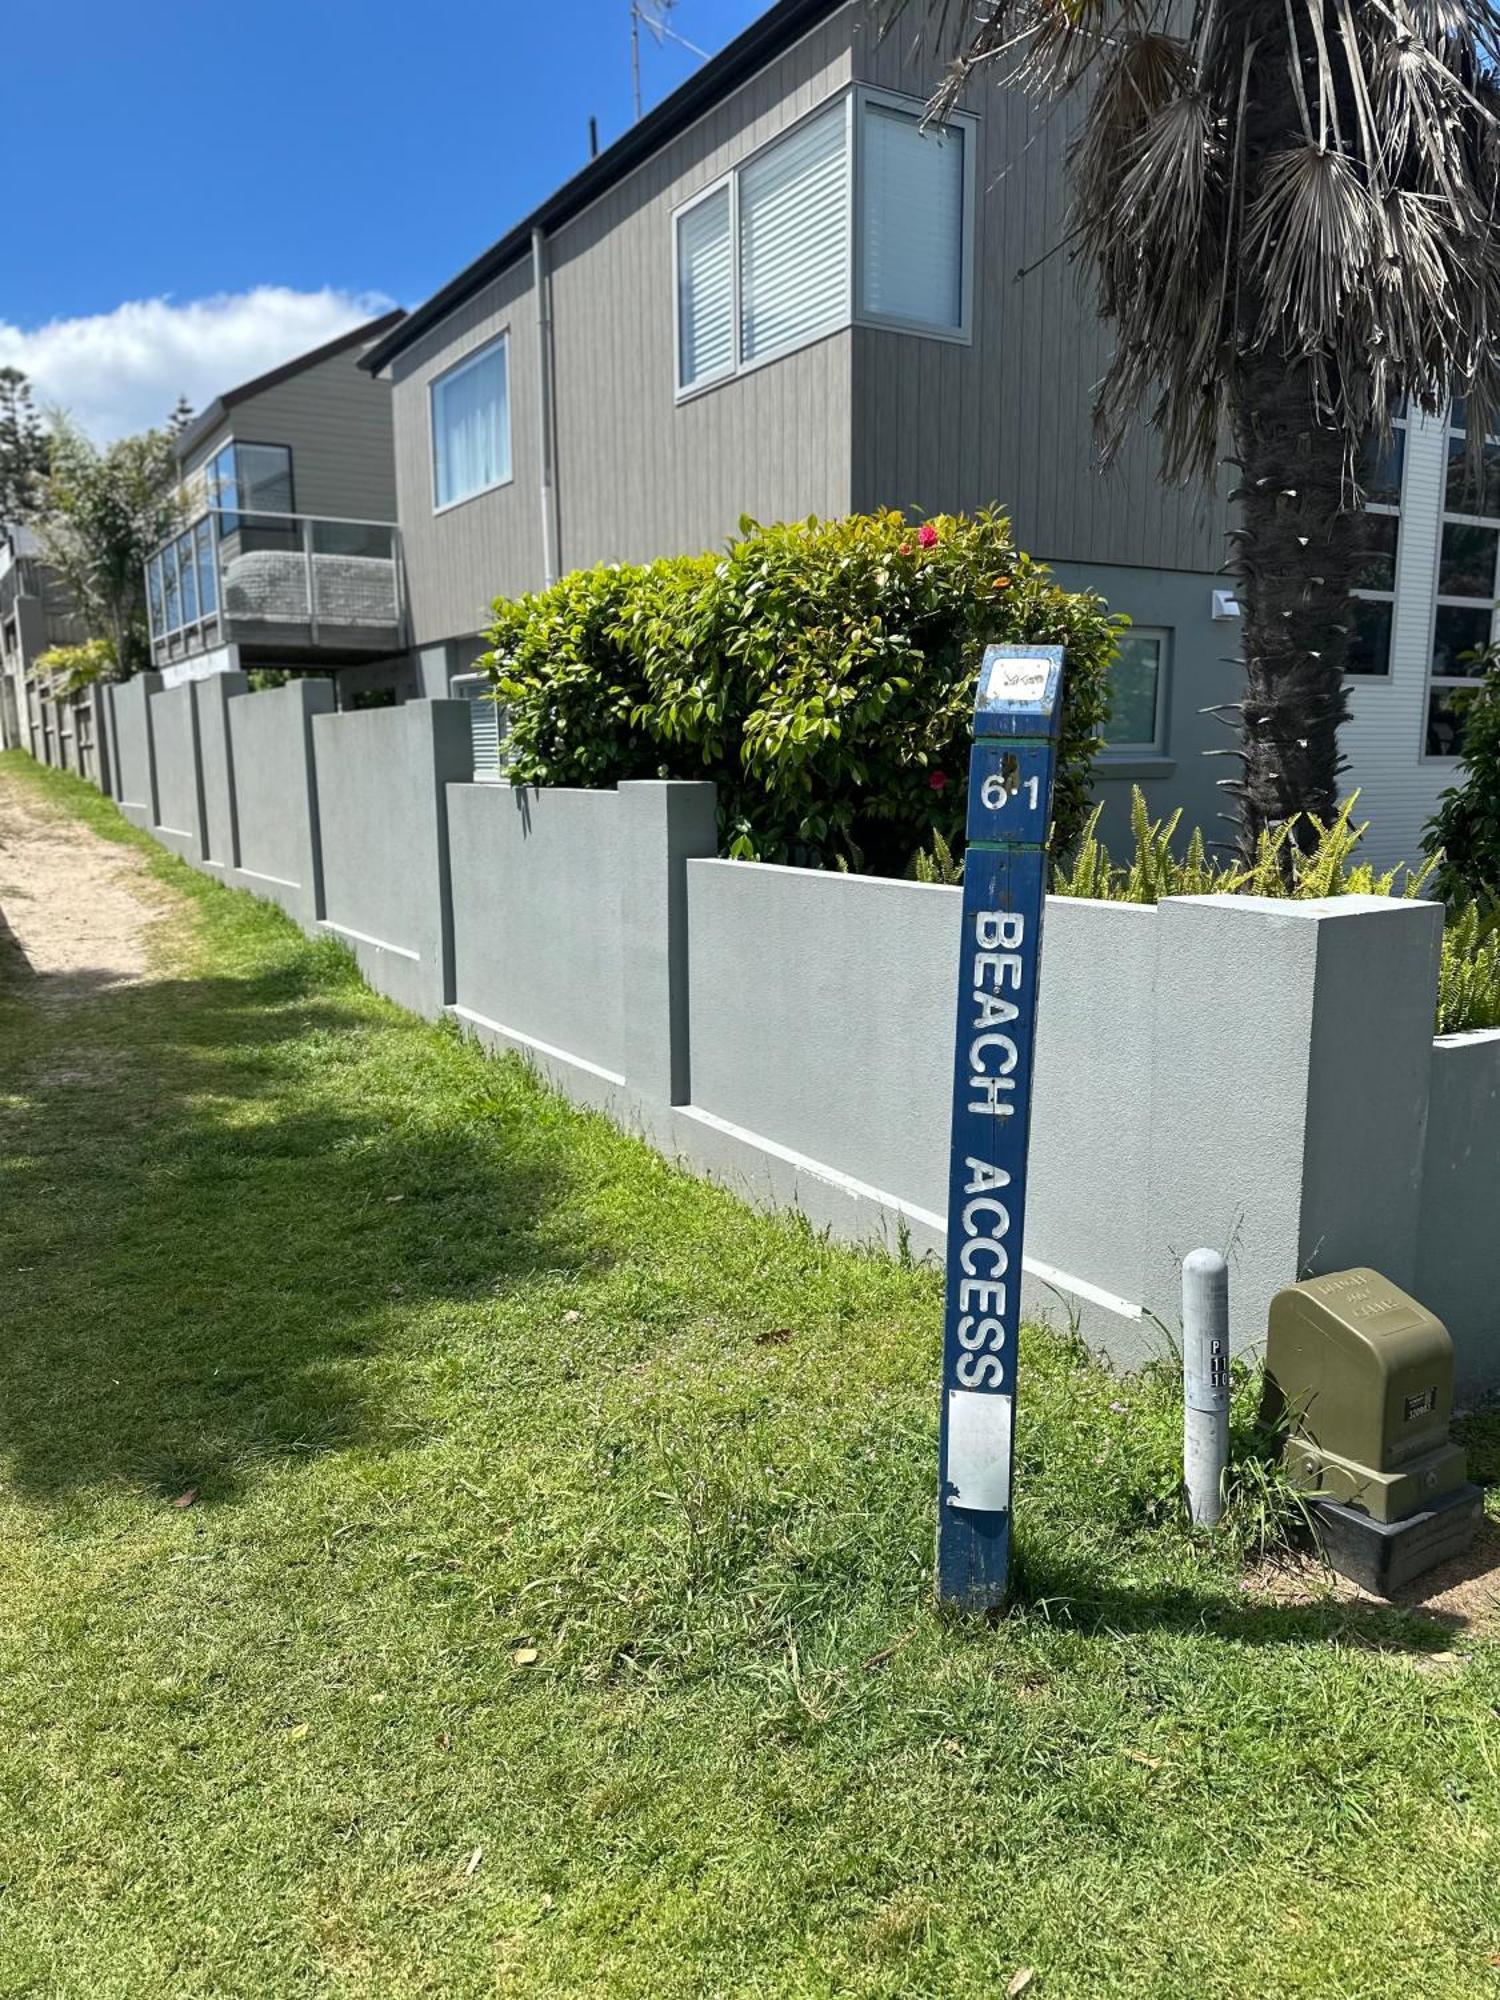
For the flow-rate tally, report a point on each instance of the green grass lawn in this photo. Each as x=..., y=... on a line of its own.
x=553, y=1613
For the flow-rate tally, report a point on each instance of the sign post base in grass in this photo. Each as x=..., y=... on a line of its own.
x=1017, y=709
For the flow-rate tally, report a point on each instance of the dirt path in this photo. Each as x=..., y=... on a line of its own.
x=75, y=911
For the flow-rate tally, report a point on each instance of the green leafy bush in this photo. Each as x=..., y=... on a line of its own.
x=820, y=672
x=1469, y=971
x=1463, y=835
x=70, y=669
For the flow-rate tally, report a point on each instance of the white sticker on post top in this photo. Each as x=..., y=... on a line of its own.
x=1020, y=682
x=979, y=1434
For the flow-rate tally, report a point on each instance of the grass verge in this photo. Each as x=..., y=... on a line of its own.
x=551, y=1611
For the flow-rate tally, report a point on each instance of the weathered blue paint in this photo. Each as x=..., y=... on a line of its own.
x=1016, y=714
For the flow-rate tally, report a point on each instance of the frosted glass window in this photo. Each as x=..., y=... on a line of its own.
x=794, y=237
x=705, y=291
x=1135, y=691
x=912, y=217
x=471, y=426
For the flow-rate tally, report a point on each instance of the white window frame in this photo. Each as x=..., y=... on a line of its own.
x=1435, y=683
x=460, y=367
x=961, y=335
x=1135, y=753
x=853, y=97
x=1392, y=510
x=731, y=367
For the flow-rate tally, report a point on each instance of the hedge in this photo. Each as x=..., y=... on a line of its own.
x=820, y=672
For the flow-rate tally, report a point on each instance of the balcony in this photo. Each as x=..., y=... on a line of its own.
x=287, y=589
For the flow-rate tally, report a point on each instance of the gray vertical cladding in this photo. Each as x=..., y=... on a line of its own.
x=337, y=420
x=382, y=779
x=276, y=797
x=458, y=561
x=1458, y=1273
x=638, y=475
x=1008, y=419
x=179, y=771
x=220, y=843
x=134, y=755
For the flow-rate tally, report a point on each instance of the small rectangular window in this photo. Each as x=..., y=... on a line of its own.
x=188, y=571
x=208, y=585
x=170, y=619
x=1460, y=633
x=471, y=426
x=1370, y=636
x=153, y=594
x=705, y=290
x=1135, y=687
x=1447, y=711
x=1466, y=567
x=912, y=218
x=794, y=237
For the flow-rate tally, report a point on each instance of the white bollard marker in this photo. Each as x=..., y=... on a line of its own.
x=1205, y=1383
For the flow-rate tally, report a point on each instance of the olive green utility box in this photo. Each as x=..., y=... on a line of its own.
x=1361, y=1378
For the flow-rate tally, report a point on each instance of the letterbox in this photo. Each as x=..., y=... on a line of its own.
x=1361, y=1378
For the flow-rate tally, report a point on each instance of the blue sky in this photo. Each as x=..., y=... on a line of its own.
x=245, y=176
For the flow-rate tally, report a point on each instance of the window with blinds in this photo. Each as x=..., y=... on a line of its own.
x=705, y=290
x=911, y=213
x=794, y=237
x=766, y=259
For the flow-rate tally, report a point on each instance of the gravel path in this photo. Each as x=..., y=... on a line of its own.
x=76, y=911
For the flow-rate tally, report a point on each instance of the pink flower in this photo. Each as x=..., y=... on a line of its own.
x=938, y=780
x=927, y=535
x=904, y=550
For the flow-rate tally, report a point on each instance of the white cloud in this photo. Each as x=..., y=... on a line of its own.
x=124, y=370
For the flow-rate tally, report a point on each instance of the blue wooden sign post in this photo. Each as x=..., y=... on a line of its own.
x=1016, y=714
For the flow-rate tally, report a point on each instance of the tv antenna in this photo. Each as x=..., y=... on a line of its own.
x=653, y=16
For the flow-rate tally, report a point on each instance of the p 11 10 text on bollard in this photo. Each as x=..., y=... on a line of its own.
x=1017, y=710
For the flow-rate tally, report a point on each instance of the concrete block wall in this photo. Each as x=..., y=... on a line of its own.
x=279, y=853
x=133, y=750
x=1256, y=1076
x=1458, y=1231
x=381, y=782
x=179, y=772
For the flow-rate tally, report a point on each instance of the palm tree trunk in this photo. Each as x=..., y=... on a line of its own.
x=1294, y=550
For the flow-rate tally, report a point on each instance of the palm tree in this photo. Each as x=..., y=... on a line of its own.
x=1288, y=208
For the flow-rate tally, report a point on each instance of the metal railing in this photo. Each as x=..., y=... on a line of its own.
x=232, y=572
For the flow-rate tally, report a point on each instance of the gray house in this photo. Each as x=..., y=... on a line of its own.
x=779, y=294
x=37, y=612
x=288, y=555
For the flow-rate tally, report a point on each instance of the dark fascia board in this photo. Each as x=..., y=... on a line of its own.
x=208, y=420
x=760, y=44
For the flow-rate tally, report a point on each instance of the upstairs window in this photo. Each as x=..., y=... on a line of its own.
x=914, y=194
x=250, y=479
x=471, y=426
x=794, y=238
x=705, y=290
x=766, y=260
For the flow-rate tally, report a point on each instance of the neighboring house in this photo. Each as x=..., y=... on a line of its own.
x=35, y=612
x=778, y=295
x=288, y=556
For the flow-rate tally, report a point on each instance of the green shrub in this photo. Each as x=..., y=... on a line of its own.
x=821, y=673
x=1463, y=835
x=1469, y=970
x=70, y=669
